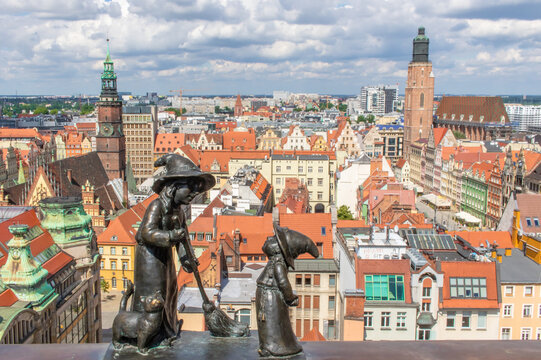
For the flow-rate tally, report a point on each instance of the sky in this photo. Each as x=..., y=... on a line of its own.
x=256, y=46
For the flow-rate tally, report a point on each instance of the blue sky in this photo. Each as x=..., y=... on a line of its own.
x=255, y=47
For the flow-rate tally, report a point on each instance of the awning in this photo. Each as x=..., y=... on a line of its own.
x=436, y=200
x=467, y=218
x=426, y=319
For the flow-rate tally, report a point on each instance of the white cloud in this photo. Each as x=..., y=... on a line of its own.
x=336, y=45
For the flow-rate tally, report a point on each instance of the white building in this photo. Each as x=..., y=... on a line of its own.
x=526, y=117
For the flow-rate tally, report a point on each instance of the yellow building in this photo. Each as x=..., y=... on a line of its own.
x=520, y=314
x=269, y=141
x=117, y=246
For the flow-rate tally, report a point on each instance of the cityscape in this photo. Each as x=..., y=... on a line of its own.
x=423, y=204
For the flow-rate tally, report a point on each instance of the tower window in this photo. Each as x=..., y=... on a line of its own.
x=422, y=100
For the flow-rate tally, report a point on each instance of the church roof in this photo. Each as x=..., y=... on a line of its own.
x=482, y=109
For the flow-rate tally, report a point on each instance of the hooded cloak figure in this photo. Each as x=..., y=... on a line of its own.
x=163, y=228
x=274, y=293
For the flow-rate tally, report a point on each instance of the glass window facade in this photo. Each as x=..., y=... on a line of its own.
x=468, y=287
x=384, y=287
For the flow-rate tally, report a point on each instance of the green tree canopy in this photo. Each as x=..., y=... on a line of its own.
x=344, y=213
x=459, y=135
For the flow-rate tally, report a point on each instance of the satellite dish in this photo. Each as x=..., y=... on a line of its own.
x=395, y=229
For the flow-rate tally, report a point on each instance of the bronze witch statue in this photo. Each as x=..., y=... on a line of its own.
x=153, y=315
x=274, y=293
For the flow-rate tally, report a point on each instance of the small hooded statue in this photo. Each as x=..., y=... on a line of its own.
x=274, y=293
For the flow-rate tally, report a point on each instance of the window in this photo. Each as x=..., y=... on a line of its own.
x=317, y=279
x=320, y=181
x=331, y=303
x=101, y=250
x=538, y=334
x=331, y=330
x=124, y=283
x=310, y=169
x=113, y=282
x=527, y=311
x=385, y=319
x=124, y=265
x=384, y=287
x=426, y=291
x=309, y=183
x=424, y=334
x=323, y=231
x=508, y=310
x=536, y=221
x=466, y=318
x=401, y=320
x=422, y=100
x=320, y=195
x=298, y=277
x=525, y=333
x=307, y=280
x=528, y=290
x=320, y=169
x=509, y=290
x=278, y=168
x=368, y=317
x=506, y=334
x=482, y=320
x=124, y=251
x=243, y=316
x=113, y=250
x=208, y=237
x=229, y=259
x=425, y=306
x=307, y=299
x=113, y=265
x=288, y=167
x=301, y=169
x=468, y=287
x=332, y=281
x=278, y=181
x=451, y=315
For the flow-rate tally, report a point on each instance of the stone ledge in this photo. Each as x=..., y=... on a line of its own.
x=194, y=345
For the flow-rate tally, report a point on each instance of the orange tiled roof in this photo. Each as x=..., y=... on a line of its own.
x=184, y=278
x=439, y=133
x=255, y=229
x=400, y=163
x=56, y=263
x=476, y=238
x=167, y=143
x=351, y=224
x=313, y=335
x=312, y=225
x=7, y=298
x=470, y=269
x=244, y=140
x=19, y=133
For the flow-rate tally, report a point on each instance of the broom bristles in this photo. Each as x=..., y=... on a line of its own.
x=221, y=325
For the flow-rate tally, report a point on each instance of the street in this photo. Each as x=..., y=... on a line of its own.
x=443, y=217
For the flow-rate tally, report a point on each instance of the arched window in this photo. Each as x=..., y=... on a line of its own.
x=113, y=282
x=243, y=316
x=422, y=100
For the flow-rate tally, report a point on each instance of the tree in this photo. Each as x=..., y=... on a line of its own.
x=104, y=286
x=342, y=107
x=459, y=135
x=370, y=118
x=175, y=110
x=54, y=111
x=217, y=109
x=87, y=109
x=41, y=110
x=344, y=213
x=297, y=109
x=361, y=118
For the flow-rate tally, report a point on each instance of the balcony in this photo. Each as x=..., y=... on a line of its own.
x=194, y=345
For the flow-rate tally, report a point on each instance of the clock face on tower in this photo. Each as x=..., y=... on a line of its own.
x=107, y=129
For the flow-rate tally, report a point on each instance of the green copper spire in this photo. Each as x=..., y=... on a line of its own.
x=21, y=273
x=108, y=57
x=21, y=178
x=66, y=220
x=108, y=77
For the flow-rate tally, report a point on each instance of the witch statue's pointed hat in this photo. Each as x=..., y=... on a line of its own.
x=179, y=167
x=293, y=243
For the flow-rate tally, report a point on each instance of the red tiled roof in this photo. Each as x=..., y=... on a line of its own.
x=384, y=267
x=167, y=143
x=57, y=262
x=312, y=225
x=19, y=133
x=28, y=217
x=470, y=269
x=313, y=335
x=184, y=278
x=491, y=107
x=528, y=204
x=476, y=238
x=242, y=140
x=482, y=169
x=122, y=225
x=439, y=133
x=8, y=298
x=255, y=229
x=400, y=163
x=351, y=224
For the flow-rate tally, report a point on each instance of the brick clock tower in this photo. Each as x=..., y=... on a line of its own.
x=419, y=94
x=110, y=140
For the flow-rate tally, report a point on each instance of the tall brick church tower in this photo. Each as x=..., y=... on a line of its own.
x=110, y=141
x=419, y=94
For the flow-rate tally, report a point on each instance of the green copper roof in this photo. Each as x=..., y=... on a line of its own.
x=421, y=35
x=66, y=220
x=21, y=178
x=108, y=57
x=21, y=273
